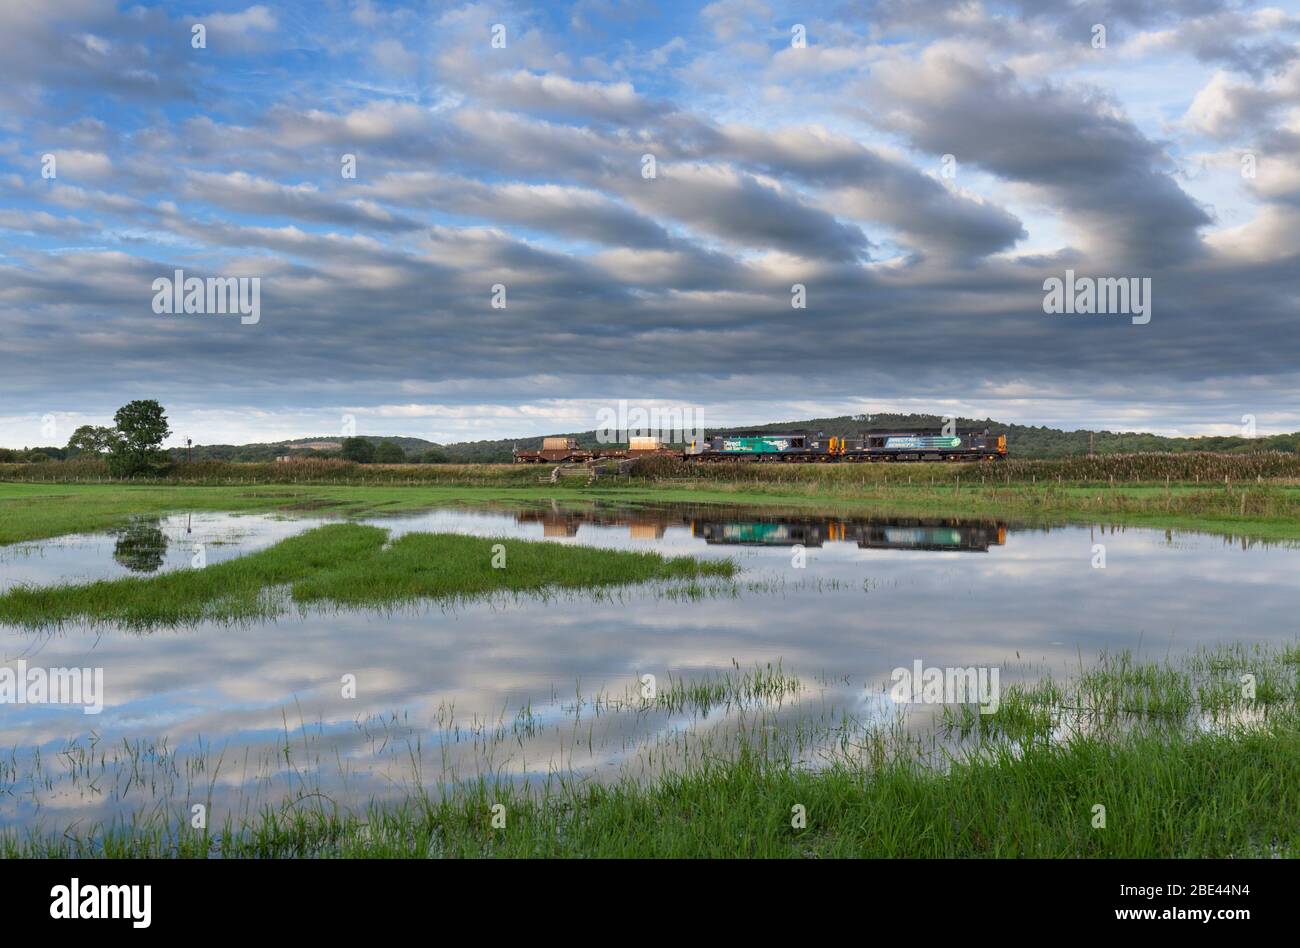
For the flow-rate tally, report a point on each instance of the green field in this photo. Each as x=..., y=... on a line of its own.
x=1234, y=504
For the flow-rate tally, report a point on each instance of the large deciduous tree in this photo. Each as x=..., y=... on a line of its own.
x=359, y=450
x=90, y=439
x=140, y=429
x=390, y=452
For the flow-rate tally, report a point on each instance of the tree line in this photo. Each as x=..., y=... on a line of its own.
x=364, y=451
x=132, y=446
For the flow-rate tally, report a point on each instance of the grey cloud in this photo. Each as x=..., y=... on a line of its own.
x=681, y=293
x=739, y=208
x=559, y=95
x=870, y=186
x=242, y=192
x=1227, y=109
x=40, y=222
x=1091, y=160
x=1214, y=31
x=569, y=211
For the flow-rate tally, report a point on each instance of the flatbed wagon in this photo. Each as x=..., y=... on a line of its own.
x=568, y=451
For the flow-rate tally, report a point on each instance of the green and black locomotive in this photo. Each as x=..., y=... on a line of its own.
x=912, y=444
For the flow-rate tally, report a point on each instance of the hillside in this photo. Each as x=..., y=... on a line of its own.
x=1024, y=441
x=323, y=446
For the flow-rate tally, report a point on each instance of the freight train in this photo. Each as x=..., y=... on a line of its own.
x=884, y=444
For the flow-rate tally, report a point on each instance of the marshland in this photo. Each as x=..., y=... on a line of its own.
x=667, y=663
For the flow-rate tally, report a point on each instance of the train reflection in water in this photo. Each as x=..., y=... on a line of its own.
x=895, y=533
x=765, y=528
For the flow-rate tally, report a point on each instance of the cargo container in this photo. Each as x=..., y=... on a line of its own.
x=556, y=451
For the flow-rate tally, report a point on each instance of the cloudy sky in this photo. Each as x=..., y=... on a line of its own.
x=920, y=167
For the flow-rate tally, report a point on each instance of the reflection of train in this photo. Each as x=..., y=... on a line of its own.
x=895, y=533
x=910, y=444
x=754, y=532
x=933, y=535
x=721, y=526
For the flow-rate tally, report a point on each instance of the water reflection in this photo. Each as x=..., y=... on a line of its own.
x=511, y=685
x=872, y=534
x=146, y=546
x=141, y=546
x=721, y=525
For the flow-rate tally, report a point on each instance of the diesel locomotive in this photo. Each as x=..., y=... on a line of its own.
x=913, y=444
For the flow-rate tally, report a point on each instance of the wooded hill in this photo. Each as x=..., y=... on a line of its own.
x=1023, y=441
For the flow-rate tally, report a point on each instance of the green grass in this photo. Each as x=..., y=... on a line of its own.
x=37, y=511
x=1127, y=736
x=1264, y=508
x=450, y=566
x=348, y=565
x=1208, y=796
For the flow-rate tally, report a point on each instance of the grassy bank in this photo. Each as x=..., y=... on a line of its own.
x=1182, y=761
x=1182, y=467
x=350, y=565
x=1266, y=509
x=1189, y=797
x=30, y=511
x=1211, y=796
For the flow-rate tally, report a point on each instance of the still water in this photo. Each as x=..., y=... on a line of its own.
x=243, y=716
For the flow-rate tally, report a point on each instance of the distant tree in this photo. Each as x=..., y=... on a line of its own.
x=433, y=457
x=90, y=439
x=140, y=429
x=389, y=452
x=359, y=450
x=35, y=457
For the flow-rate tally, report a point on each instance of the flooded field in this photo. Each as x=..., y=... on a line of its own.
x=351, y=706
